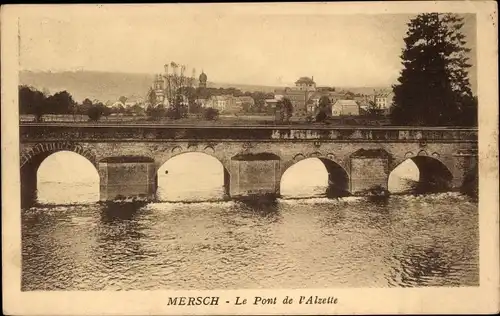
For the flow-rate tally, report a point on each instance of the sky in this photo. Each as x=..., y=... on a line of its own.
x=231, y=47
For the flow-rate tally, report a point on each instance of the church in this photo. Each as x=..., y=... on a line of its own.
x=166, y=85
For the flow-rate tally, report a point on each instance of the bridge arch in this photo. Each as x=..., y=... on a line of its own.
x=42, y=151
x=32, y=160
x=199, y=171
x=421, y=173
x=333, y=178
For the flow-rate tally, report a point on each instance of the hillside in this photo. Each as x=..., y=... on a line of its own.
x=109, y=86
x=106, y=86
x=103, y=86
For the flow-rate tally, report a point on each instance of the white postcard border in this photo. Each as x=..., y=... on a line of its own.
x=482, y=299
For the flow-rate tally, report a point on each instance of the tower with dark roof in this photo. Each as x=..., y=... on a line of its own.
x=202, y=80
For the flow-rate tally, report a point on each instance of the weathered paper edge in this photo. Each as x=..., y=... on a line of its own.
x=483, y=299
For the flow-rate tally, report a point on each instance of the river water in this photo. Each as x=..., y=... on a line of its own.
x=406, y=241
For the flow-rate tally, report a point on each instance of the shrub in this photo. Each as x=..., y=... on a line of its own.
x=173, y=113
x=94, y=113
x=210, y=114
x=321, y=116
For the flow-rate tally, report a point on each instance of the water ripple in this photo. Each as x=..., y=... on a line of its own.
x=406, y=241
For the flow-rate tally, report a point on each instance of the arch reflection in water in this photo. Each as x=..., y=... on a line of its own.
x=192, y=177
x=66, y=177
x=313, y=177
x=419, y=174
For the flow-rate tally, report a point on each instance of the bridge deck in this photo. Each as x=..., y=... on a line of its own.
x=155, y=132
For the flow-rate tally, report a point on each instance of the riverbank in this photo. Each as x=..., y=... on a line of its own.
x=222, y=120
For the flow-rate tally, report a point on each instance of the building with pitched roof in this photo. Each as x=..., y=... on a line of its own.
x=299, y=95
x=383, y=100
x=224, y=103
x=305, y=84
x=245, y=102
x=345, y=107
x=296, y=96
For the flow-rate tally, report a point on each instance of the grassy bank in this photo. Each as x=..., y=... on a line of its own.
x=221, y=120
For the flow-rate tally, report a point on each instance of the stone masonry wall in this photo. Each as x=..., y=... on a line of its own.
x=452, y=154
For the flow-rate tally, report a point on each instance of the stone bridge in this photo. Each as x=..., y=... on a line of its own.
x=254, y=157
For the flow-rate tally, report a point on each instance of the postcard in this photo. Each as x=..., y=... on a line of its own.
x=260, y=158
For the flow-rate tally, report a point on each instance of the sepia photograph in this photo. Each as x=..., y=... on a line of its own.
x=214, y=147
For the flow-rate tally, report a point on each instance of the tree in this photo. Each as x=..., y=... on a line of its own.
x=349, y=95
x=137, y=109
x=210, y=114
x=468, y=115
x=32, y=101
x=155, y=112
x=123, y=99
x=190, y=94
x=284, y=110
x=195, y=108
x=150, y=111
x=60, y=103
x=279, y=112
x=152, y=97
x=324, y=107
x=176, y=111
x=373, y=110
x=287, y=108
x=87, y=103
x=106, y=111
x=94, y=113
x=433, y=86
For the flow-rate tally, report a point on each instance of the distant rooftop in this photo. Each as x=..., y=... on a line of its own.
x=290, y=91
x=346, y=102
x=245, y=97
x=304, y=80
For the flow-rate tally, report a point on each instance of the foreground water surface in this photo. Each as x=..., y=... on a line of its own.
x=404, y=241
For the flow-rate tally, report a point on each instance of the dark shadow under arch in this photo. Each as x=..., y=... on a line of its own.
x=256, y=156
x=29, y=175
x=434, y=176
x=338, y=178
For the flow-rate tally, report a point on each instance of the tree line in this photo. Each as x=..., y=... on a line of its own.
x=33, y=101
x=38, y=103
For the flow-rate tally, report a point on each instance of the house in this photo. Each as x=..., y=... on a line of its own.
x=313, y=102
x=305, y=84
x=298, y=98
x=118, y=104
x=201, y=102
x=383, y=100
x=271, y=103
x=312, y=106
x=245, y=102
x=223, y=103
x=345, y=107
x=299, y=95
x=134, y=100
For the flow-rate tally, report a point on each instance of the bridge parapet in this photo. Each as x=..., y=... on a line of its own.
x=147, y=133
